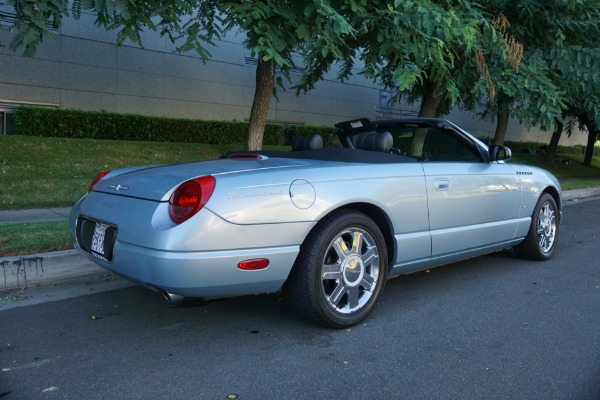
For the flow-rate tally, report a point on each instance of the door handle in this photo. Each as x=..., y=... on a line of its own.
x=441, y=184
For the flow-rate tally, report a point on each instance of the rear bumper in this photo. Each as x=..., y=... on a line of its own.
x=200, y=274
x=198, y=258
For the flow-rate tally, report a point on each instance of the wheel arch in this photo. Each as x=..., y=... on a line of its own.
x=552, y=191
x=383, y=222
x=332, y=299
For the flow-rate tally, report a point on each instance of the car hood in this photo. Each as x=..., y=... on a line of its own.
x=159, y=181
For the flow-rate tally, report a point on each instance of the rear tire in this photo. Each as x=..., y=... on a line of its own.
x=540, y=242
x=341, y=270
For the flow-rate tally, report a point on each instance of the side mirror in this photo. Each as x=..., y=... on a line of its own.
x=499, y=153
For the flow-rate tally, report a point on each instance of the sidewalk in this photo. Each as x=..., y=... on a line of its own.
x=34, y=215
x=39, y=269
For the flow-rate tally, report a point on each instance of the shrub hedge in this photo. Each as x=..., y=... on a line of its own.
x=54, y=122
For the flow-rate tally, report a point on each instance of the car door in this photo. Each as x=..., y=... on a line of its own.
x=472, y=203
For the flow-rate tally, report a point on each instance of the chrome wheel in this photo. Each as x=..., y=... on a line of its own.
x=340, y=272
x=350, y=270
x=546, y=228
x=540, y=242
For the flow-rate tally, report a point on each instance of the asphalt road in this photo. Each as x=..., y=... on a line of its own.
x=494, y=327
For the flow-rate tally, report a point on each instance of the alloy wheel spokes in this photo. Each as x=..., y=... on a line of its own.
x=546, y=228
x=350, y=270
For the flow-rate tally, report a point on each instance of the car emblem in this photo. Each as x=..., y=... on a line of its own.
x=118, y=187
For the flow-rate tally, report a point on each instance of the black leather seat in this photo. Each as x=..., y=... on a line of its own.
x=313, y=142
x=372, y=141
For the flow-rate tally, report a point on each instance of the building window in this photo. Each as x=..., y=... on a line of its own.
x=7, y=121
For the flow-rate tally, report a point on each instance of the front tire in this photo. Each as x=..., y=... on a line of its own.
x=540, y=242
x=341, y=270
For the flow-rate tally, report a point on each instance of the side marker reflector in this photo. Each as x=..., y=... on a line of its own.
x=253, y=265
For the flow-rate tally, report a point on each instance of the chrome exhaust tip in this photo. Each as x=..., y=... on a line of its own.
x=171, y=297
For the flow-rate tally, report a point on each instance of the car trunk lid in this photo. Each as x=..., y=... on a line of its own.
x=158, y=182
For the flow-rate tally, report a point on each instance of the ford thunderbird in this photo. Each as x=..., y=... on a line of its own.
x=327, y=225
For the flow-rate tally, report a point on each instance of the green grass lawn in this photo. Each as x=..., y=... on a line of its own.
x=562, y=169
x=569, y=169
x=55, y=172
x=31, y=238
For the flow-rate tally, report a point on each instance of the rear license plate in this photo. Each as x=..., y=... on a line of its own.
x=98, y=238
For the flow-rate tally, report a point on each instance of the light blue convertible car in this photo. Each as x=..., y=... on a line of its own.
x=326, y=225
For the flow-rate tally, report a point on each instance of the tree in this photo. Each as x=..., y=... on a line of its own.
x=405, y=45
x=530, y=94
x=576, y=66
x=468, y=77
x=441, y=52
x=593, y=136
x=399, y=44
x=557, y=36
x=273, y=29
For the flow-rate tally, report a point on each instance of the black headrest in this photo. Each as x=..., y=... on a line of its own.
x=307, y=143
x=382, y=141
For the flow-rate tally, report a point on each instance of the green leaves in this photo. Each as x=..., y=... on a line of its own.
x=33, y=21
x=405, y=78
x=558, y=73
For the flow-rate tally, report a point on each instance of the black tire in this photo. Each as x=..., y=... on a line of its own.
x=540, y=242
x=341, y=270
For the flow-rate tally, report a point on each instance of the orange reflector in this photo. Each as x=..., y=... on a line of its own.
x=253, y=265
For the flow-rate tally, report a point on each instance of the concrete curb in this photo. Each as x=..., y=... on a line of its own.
x=38, y=269
x=580, y=193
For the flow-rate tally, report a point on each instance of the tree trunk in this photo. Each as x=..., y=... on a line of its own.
x=431, y=100
x=429, y=106
x=502, y=122
x=589, y=149
x=554, y=142
x=265, y=84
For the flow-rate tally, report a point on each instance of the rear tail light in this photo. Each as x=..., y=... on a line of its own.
x=97, y=179
x=190, y=197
